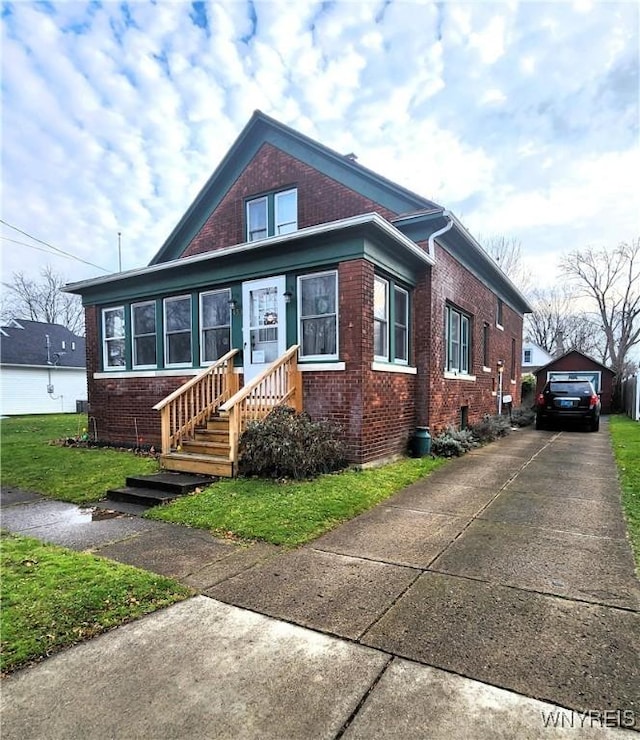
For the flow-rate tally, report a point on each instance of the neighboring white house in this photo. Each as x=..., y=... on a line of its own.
x=533, y=357
x=42, y=368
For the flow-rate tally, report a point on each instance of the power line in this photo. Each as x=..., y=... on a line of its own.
x=32, y=246
x=46, y=244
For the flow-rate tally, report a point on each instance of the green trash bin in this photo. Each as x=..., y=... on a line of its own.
x=421, y=442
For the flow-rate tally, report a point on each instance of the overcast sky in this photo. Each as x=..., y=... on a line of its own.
x=521, y=118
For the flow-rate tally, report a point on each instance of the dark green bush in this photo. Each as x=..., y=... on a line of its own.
x=290, y=445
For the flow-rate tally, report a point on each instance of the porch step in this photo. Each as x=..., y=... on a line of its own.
x=158, y=488
x=218, y=424
x=217, y=449
x=192, y=462
x=202, y=434
x=143, y=496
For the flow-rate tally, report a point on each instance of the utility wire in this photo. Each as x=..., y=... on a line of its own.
x=46, y=244
x=32, y=246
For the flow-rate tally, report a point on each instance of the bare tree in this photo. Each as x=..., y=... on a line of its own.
x=507, y=252
x=610, y=281
x=555, y=325
x=43, y=300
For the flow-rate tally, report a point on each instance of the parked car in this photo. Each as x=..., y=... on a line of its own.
x=565, y=400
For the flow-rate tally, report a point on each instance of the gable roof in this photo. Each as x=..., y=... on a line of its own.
x=262, y=129
x=24, y=342
x=574, y=352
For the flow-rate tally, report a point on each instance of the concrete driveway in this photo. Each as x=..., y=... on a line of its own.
x=474, y=603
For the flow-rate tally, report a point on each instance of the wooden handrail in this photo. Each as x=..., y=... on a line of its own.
x=196, y=378
x=280, y=383
x=195, y=400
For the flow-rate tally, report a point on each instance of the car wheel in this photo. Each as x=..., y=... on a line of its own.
x=595, y=425
x=539, y=423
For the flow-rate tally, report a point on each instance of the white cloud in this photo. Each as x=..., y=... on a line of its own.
x=522, y=118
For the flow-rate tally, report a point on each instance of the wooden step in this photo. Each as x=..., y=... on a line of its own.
x=144, y=496
x=208, y=447
x=218, y=424
x=190, y=462
x=212, y=435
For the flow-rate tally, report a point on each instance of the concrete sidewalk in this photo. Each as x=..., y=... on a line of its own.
x=505, y=571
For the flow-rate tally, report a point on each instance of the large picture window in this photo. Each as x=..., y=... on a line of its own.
x=457, y=328
x=318, y=311
x=143, y=328
x=380, y=319
x=215, y=325
x=113, y=338
x=177, y=330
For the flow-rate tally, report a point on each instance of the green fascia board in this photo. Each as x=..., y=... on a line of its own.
x=259, y=130
x=295, y=254
x=461, y=245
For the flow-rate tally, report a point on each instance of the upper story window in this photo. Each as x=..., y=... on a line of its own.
x=272, y=215
x=113, y=349
x=457, y=326
x=500, y=314
x=215, y=325
x=527, y=356
x=177, y=331
x=318, y=311
x=513, y=359
x=143, y=329
x=486, y=356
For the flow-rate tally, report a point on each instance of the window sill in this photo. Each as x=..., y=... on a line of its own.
x=486, y=369
x=499, y=327
x=449, y=375
x=389, y=367
x=310, y=367
x=146, y=373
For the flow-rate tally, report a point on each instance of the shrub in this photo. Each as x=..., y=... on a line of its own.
x=290, y=445
x=522, y=417
x=453, y=442
x=528, y=383
x=491, y=428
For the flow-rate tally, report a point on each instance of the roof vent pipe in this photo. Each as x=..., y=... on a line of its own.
x=440, y=232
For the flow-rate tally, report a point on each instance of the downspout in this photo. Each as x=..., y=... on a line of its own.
x=440, y=232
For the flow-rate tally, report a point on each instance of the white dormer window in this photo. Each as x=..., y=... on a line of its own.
x=272, y=215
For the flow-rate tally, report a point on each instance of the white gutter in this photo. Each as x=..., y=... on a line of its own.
x=345, y=223
x=440, y=232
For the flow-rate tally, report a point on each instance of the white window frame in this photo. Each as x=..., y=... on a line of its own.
x=105, y=355
x=300, y=280
x=254, y=201
x=527, y=360
x=396, y=324
x=385, y=357
x=276, y=213
x=166, y=333
x=455, y=364
x=134, y=335
x=202, y=328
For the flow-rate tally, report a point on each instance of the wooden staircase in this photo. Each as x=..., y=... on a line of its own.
x=202, y=421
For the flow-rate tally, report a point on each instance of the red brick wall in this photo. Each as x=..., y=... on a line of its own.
x=452, y=282
x=320, y=199
x=579, y=363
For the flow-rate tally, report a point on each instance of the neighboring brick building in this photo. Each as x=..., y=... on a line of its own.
x=402, y=319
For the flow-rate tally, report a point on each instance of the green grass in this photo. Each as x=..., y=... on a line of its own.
x=626, y=447
x=294, y=512
x=53, y=597
x=72, y=474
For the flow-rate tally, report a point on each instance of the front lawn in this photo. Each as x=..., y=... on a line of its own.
x=295, y=512
x=72, y=474
x=626, y=447
x=53, y=597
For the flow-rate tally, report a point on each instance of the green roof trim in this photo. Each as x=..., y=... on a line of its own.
x=262, y=129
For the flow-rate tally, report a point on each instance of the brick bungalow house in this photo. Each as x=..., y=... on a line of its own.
x=299, y=276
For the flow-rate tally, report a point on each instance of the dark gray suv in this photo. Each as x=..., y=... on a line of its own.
x=565, y=400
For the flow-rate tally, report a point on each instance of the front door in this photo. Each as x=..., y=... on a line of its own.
x=263, y=324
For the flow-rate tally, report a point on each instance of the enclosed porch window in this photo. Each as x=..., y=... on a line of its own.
x=215, y=325
x=318, y=312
